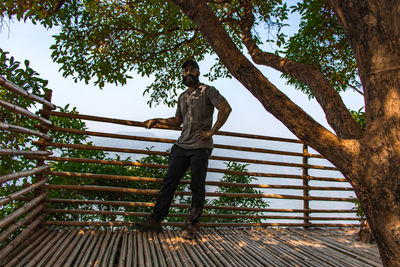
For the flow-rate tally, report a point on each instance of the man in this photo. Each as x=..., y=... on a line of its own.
x=192, y=149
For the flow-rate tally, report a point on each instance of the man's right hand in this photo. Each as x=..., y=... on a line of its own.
x=150, y=123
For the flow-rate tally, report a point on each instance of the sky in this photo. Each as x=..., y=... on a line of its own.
x=32, y=42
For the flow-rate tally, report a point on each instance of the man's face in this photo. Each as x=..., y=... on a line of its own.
x=190, y=75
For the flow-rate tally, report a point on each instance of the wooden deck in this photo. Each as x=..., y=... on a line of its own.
x=213, y=247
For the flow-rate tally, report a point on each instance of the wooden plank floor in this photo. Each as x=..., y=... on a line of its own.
x=213, y=247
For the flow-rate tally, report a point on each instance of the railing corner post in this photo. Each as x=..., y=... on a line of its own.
x=40, y=162
x=306, y=191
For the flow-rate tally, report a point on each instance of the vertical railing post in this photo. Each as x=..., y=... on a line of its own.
x=306, y=193
x=43, y=129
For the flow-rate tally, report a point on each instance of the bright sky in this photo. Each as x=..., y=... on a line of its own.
x=32, y=42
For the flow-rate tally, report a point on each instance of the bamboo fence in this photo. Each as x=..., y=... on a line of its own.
x=18, y=224
x=305, y=216
x=292, y=187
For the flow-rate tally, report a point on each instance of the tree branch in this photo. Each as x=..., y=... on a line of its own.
x=355, y=89
x=273, y=100
x=146, y=56
x=218, y=2
x=337, y=115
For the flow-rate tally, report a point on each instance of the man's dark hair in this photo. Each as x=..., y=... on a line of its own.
x=190, y=62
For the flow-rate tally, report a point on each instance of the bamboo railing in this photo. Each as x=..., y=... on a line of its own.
x=274, y=216
x=20, y=223
x=302, y=187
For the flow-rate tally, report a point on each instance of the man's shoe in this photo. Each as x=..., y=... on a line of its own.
x=151, y=224
x=190, y=231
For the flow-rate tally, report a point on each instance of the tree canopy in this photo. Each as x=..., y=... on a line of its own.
x=106, y=41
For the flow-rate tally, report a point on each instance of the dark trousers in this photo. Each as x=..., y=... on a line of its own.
x=179, y=162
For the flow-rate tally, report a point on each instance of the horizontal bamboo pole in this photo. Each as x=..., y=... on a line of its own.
x=181, y=224
x=28, y=206
x=141, y=124
x=185, y=206
x=101, y=148
x=12, y=152
x=18, y=90
x=334, y=218
x=21, y=237
x=6, y=234
x=204, y=215
x=22, y=111
x=21, y=192
x=16, y=175
x=210, y=183
x=161, y=153
x=327, y=179
x=151, y=165
x=171, y=141
x=20, y=129
x=209, y=194
x=355, y=225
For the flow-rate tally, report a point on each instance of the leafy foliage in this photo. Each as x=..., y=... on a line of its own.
x=38, y=11
x=320, y=42
x=359, y=116
x=359, y=211
x=106, y=41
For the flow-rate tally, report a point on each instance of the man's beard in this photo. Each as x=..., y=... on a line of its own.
x=190, y=80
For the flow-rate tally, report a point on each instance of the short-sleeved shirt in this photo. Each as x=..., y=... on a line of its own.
x=196, y=108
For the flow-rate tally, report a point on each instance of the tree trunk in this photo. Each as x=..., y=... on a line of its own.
x=383, y=216
x=378, y=186
x=385, y=225
x=371, y=163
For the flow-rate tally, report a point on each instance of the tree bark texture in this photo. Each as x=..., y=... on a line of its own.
x=370, y=161
x=373, y=31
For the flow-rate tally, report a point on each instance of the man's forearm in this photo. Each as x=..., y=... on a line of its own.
x=223, y=114
x=172, y=122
